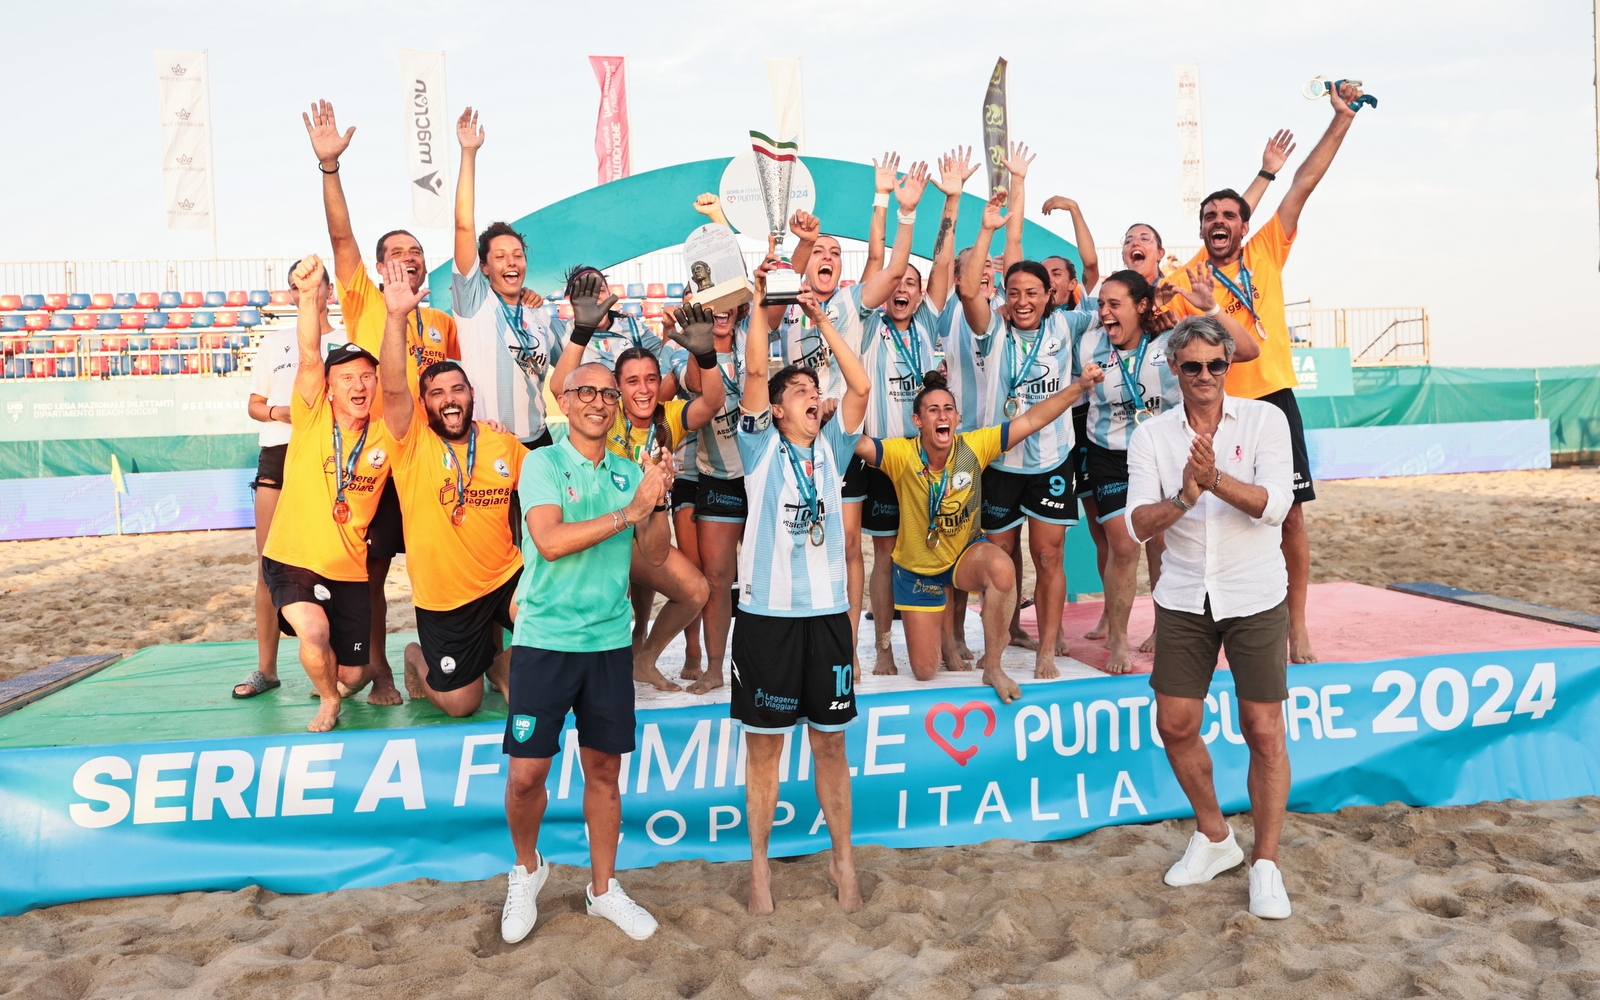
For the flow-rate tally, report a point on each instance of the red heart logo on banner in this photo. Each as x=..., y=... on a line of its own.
x=945, y=708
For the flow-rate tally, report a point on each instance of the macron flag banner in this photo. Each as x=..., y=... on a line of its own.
x=611, y=142
x=935, y=767
x=427, y=139
x=183, y=86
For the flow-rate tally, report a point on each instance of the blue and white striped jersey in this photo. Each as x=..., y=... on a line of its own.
x=1051, y=349
x=718, y=455
x=781, y=573
x=895, y=363
x=966, y=369
x=688, y=453
x=626, y=331
x=506, y=352
x=1111, y=404
x=801, y=343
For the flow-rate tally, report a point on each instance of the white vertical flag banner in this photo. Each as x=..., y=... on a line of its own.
x=427, y=135
x=1191, y=143
x=788, y=100
x=186, y=179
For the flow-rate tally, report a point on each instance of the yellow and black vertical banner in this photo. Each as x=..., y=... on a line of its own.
x=995, y=127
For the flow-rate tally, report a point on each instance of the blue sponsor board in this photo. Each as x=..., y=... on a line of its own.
x=75, y=506
x=311, y=813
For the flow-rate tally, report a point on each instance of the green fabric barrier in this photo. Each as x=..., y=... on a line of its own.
x=92, y=456
x=1568, y=397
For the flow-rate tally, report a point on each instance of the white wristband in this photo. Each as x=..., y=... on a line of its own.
x=907, y=218
x=1214, y=310
x=880, y=200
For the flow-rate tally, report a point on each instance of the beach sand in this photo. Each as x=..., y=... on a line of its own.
x=1492, y=900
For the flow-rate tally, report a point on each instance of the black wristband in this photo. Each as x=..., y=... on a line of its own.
x=581, y=335
x=708, y=360
x=1267, y=174
x=333, y=171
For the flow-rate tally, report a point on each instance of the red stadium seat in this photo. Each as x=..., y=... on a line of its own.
x=163, y=343
x=619, y=290
x=10, y=303
x=193, y=300
x=41, y=367
x=564, y=311
x=63, y=345
x=113, y=343
x=178, y=320
x=652, y=310
x=226, y=317
x=83, y=321
x=101, y=300
x=238, y=299
x=149, y=300
x=55, y=301
x=278, y=299
x=35, y=321
x=132, y=321
x=656, y=290
x=144, y=364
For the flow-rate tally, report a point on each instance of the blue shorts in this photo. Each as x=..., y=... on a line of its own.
x=915, y=592
x=545, y=685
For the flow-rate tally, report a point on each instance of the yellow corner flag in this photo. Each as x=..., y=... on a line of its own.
x=116, y=476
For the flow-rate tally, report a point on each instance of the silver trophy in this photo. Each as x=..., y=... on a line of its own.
x=774, y=169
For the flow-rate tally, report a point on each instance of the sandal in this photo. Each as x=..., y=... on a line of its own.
x=257, y=683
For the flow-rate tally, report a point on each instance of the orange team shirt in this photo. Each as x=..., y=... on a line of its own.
x=303, y=531
x=365, y=314
x=1264, y=254
x=454, y=564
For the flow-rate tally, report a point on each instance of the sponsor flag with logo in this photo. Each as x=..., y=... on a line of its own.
x=788, y=100
x=611, y=140
x=427, y=136
x=996, y=127
x=1191, y=144
x=183, y=88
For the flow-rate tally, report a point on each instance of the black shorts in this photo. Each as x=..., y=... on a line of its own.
x=1283, y=399
x=788, y=671
x=1080, y=452
x=460, y=645
x=546, y=685
x=514, y=508
x=348, y=606
x=1008, y=497
x=880, y=513
x=269, y=467
x=720, y=500
x=386, y=535
x=1108, y=478
x=684, y=493
x=853, y=487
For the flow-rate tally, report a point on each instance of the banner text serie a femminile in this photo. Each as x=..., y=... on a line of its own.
x=312, y=813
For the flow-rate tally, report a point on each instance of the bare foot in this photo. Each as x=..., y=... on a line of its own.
x=844, y=877
x=760, y=887
x=326, y=718
x=965, y=651
x=691, y=668
x=884, y=667
x=1149, y=645
x=1003, y=686
x=1061, y=645
x=646, y=672
x=1044, y=666
x=953, y=660
x=413, y=677
x=709, y=681
x=1300, y=646
x=384, y=692
x=1119, y=662
x=1023, y=639
x=1100, y=630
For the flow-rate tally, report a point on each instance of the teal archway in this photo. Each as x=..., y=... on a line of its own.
x=624, y=219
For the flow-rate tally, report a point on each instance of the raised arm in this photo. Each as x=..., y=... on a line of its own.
x=757, y=349
x=1017, y=165
x=693, y=331
x=1041, y=415
x=954, y=169
x=1090, y=276
x=470, y=135
x=883, y=175
x=398, y=301
x=1319, y=159
x=974, y=304
x=307, y=279
x=329, y=145
x=875, y=291
x=588, y=312
x=1272, y=160
x=710, y=206
x=857, y=384
x=806, y=228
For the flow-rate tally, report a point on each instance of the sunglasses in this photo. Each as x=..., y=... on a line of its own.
x=1215, y=366
x=586, y=394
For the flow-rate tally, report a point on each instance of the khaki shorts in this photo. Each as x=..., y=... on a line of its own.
x=1257, y=645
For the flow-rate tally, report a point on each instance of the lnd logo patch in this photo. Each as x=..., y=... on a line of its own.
x=521, y=727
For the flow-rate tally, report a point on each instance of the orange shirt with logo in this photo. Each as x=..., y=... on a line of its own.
x=454, y=564
x=1264, y=255
x=361, y=302
x=304, y=532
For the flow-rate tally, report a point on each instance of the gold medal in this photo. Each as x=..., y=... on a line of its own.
x=933, y=539
x=1013, y=407
x=341, y=512
x=1140, y=416
x=458, y=515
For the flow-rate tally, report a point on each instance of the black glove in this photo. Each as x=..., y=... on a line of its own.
x=588, y=312
x=695, y=334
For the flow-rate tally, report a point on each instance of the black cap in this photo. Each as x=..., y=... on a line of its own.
x=341, y=353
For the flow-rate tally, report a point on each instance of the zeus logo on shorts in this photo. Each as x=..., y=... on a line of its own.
x=521, y=727
x=320, y=592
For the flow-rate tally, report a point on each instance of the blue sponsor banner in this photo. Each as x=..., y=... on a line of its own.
x=1427, y=449
x=75, y=506
x=312, y=813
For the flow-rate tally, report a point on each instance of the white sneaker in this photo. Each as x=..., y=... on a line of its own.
x=1203, y=861
x=617, y=907
x=1268, y=900
x=522, y=901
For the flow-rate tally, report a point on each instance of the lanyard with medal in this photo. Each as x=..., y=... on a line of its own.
x=910, y=350
x=459, y=514
x=1013, y=404
x=807, y=488
x=642, y=452
x=345, y=471
x=513, y=317
x=418, y=350
x=1245, y=295
x=936, y=493
x=1130, y=382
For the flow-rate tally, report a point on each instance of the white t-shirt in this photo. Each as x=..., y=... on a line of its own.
x=272, y=378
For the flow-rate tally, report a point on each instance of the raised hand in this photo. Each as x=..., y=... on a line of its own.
x=695, y=330
x=993, y=216
x=955, y=167
x=1017, y=163
x=1343, y=97
x=307, y=276
x=805, y=226
x=326, y=141
x=1277, y=152
x=398, y=296
x=706, y=203
x=911, y=186
x=532, y=299
x=588, y=311
x=1203, y=460
x=655, y=484
x=1201, y=292
x=885, y=172
x=1091, y=376
x=468, y=132
x=1056, y=202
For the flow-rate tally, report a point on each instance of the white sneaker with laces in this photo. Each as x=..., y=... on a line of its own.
x=522, y=900
x=616, y=906
x=1268, y=899
x=1203, y=860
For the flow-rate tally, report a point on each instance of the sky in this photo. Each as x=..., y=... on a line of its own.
x=1478, y=164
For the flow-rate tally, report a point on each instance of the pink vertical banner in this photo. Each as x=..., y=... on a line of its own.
x=611, y=130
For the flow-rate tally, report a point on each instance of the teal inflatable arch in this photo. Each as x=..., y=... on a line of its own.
x=624, y=219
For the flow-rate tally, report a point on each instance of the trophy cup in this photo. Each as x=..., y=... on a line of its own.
x=774, y=169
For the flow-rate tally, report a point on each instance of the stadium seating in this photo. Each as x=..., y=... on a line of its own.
x=133, y=320
x=674, y=290
x=178, y=320
x=84, y=321
x=632, y=309
x=281, y=299
x=55, y=302
x=59, y=322
x=249, y=317
x=109, y=321
x=202, y=318
x=260, y=298
x=124, y=300
x=10, y=303
x=653, y=309
x=171, y=300
x=149, y=300
x=9, y=323
x=635, y=290
x=225, y=318
x=77, y=300
x=238, y=299
x=620, y=291
x=36, y=321
x=215, y=299
x=155, y=320
x=656, y=290
x=33, y=302
x=193, y=300
x=102, y=300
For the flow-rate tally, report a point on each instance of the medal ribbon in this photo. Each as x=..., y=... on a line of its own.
x=731, y=384
x=804, y=484
x=418, y=349
x=1130, y=383
x=513, y=317
x=1245, y=295
x=472, y=462
x=936, y=491
x=1017, y=376
x=911, y=351
x=346, y=471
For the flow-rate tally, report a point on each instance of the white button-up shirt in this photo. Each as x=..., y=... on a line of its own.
x=1216, y=549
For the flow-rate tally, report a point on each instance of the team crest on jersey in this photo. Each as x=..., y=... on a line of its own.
x=522, y=727
x=376, y=457
x=434, y=334
x=1052, y=345
x=960, y=481
x=619, y=481
x=501, y=467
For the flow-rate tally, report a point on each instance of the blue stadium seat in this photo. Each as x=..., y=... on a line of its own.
x=223, y=362
x=60, y=322
x=33, y=302
x=138, y=343
x=125, y=300
x=636, y=290
x=189, y=343
x=261, y=298
x=155, y=320
x=204, y=317
x=11, y=321
x=633, y=308
x=77, y=300
x=171, y=300
x=675, y=290
x=216, y=299
x=552, y=312
x=251, y=317
x=66, y=366
x=109, y=321
x=171, y=364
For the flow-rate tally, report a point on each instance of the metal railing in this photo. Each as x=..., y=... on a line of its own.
x=1376, y=336
x=21, y=277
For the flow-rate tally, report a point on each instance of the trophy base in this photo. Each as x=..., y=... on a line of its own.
x=725, y=296
x=783, y=288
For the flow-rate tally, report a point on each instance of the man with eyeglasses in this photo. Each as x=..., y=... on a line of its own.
x=1215, y=473
x=587, y=510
